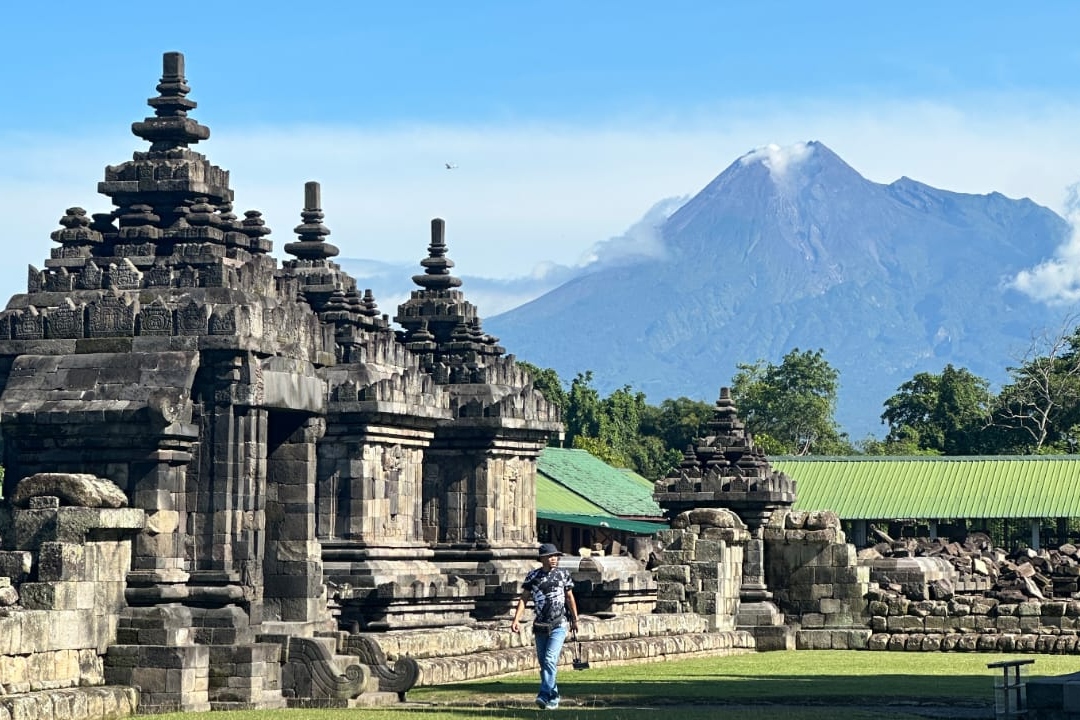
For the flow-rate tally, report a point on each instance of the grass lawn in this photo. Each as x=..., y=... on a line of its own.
x=806, y=685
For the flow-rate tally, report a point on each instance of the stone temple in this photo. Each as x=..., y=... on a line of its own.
x=280, y=437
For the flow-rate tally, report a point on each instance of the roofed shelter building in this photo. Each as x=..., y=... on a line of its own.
x=1027, y=499
x=582, y=502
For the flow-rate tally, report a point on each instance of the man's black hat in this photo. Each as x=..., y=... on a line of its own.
x=548, y=549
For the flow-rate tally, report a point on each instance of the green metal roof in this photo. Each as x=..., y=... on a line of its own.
x=877, y=488
x=552, y=497
x=642, y=481
x=637, y=527
x=560, y=504
x=597, y=481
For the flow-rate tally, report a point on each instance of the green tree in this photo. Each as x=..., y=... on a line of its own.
x=790, y=408
x=548, y=382
x=678, y=422
x=907, y=443
x=942, y=413
x=582, y=415
x=618, y=429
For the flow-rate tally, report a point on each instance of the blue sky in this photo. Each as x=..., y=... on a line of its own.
x=567, y=120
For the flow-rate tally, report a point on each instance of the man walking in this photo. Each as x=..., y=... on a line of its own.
x=552, y=594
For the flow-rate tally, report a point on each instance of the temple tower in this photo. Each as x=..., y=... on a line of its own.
x=479, y=481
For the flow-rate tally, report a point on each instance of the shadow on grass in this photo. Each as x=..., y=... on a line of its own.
x=758, y=712
x=719, y=689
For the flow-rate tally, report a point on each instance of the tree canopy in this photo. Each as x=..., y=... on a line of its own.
x=790, y=408
x=940, y=414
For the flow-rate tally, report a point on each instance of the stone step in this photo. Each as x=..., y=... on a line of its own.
x=440, y=670
x=84, y=703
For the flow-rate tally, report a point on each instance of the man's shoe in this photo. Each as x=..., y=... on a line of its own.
x=552, y=704
x=541, y=703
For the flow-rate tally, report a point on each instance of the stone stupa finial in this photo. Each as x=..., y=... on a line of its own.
x=171, y=128
x=436, y=265
x=311, y=245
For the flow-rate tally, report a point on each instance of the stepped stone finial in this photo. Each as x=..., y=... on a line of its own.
x=311, y=245
x=436, y=265
x=171, y=128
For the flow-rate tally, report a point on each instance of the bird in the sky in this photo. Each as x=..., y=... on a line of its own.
x=451, y=166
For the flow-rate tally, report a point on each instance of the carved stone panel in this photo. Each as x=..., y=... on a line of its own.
x=158, y=276
x=59, y=281
x=125, y=276
x=223, y=322
x=156, y=319
x=111, y=316
x=66, y=321
x=191, y=319
x=29, y=325
x=90, y=278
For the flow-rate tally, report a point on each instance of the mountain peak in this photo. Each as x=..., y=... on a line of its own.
x=791, y=180
x=889, y=280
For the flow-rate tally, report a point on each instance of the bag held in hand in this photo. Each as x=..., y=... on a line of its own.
x=545, y=627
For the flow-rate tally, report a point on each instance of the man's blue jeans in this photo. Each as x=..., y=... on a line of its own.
x=548, y=648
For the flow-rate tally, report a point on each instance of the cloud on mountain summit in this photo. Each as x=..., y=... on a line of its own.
x=779, y=159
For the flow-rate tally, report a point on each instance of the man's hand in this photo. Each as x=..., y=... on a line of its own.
x=515, y=627
x=573, y=625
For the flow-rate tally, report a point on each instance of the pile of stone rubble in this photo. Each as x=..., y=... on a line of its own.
x=981, y=568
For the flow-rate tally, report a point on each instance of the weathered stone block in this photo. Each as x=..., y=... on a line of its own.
x=673, y=573
x=1029, y=609
x=49, y=595
x=670, y=592
x=15, y=564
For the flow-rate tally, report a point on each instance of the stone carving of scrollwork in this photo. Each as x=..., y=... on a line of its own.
x=310, y=673
x=400, y=679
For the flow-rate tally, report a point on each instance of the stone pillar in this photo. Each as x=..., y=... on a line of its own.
x=160, y=562
x=756, y=607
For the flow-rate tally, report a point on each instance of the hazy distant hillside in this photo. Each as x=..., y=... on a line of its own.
x=793, y=248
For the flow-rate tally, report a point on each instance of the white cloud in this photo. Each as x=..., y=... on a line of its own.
x=525, y=199
x=641, y=240
x=1057, y=280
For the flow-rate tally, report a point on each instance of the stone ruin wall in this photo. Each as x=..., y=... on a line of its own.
x=839, y=600
x=60, y=602
x=818, y=581
x=700, y=570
